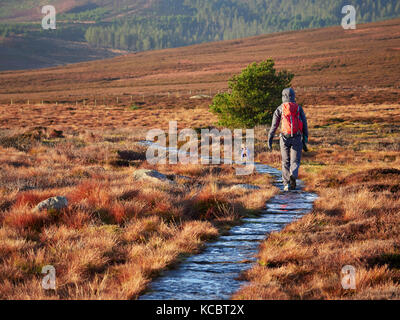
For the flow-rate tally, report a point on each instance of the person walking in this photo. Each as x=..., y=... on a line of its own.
x=293, y=136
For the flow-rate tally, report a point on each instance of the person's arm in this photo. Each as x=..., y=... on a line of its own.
x=303, y=118
x=276, y=120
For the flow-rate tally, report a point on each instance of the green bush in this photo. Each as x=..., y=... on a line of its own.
x=134, y=107
x=255, y=94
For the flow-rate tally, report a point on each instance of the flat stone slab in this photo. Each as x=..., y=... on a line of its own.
x=277, y=219
x=243, y=237
x=193, y=285
x=213, y=268
x=245, y=187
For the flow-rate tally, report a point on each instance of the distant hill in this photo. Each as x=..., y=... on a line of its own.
x=143, y=25
x=331, y=66
x=29, y=11
x=22, y=53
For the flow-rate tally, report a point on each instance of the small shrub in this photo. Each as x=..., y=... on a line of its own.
x=134, y=107
x=256, y=93
x=131, y=155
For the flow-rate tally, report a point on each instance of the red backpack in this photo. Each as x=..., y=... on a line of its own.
x=291, y=122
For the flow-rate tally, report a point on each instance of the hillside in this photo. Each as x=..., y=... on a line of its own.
x=157, y=24
x=27, y=11
x=20, y=54
x=331, y=66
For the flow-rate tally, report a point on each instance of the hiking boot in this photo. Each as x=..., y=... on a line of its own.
x=286, y=188
x=292, y=183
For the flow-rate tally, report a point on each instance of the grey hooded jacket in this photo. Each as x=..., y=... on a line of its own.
x=288, y=95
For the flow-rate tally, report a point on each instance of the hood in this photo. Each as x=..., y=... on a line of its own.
x=288, y=95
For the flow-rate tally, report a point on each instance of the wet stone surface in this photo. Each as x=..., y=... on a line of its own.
x=213, y=273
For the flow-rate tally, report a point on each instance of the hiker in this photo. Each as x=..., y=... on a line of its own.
x=245, y=152
x=293, y=137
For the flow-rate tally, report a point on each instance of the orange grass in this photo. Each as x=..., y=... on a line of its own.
x=117, y=233
x=354, y=165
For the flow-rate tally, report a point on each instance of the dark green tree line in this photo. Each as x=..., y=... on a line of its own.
x=172, y=23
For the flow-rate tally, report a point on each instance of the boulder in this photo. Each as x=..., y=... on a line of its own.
x=55, y=203
x=151, y=176
x=245, y=187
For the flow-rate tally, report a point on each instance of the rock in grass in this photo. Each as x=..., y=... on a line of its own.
x=151, y=176
x=245, y=187
x=55, y=203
